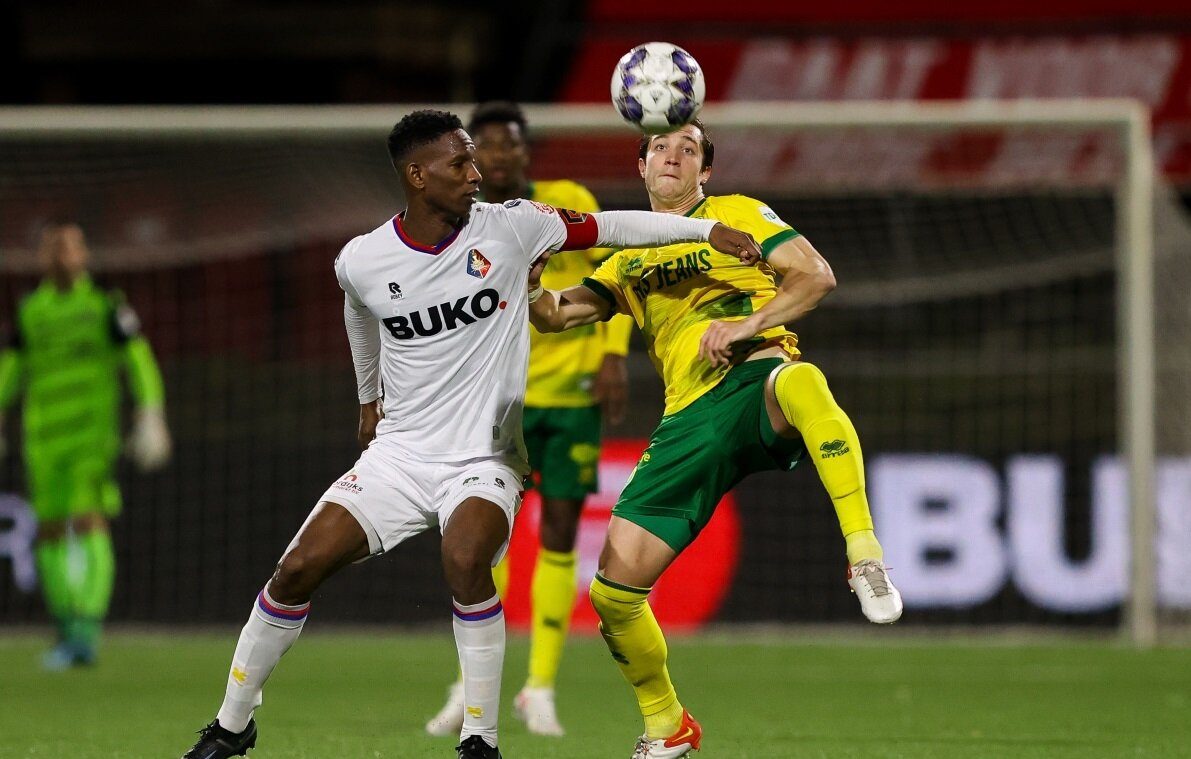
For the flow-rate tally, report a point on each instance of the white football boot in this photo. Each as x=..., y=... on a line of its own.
x=449, y=720
x=685, y=740
x=535, y=707
x=879, y=600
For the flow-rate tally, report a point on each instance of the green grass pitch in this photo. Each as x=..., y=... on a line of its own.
x=365, y=696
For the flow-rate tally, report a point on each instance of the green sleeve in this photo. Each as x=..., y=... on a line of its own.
x=10, y=376
x=143, y=375
x=752, y=216
x=601, y=289
x=768, y=245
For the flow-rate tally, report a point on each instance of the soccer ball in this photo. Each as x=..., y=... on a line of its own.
x=657, y=87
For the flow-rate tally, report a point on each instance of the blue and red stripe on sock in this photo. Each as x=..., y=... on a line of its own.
x=477, y=615
x=290, y=615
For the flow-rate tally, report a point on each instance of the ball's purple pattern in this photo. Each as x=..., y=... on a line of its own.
x=681, y=112
x=657, y=87
x=685, y=63
x=630, y=109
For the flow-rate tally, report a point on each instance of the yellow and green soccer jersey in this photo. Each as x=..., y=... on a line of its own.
x=563, y=365
x=675, y=292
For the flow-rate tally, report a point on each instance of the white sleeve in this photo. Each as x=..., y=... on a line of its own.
x=363, y=333
x=538, y=226
x=642, y=229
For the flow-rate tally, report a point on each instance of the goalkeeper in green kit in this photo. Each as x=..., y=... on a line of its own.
x=69, y=341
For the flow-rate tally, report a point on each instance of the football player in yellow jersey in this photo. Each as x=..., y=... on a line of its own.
x=575, y=378
x=737, y=401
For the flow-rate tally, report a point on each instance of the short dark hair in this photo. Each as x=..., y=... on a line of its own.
x=497, y=112
x=420, y=128
x=704, y=142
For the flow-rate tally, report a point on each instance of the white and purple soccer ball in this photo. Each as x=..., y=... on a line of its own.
x=657, y=87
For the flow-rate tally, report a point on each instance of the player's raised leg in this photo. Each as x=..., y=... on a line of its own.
x=800, y=393
x=473, y=537
x=632, y=561
x=330, y=539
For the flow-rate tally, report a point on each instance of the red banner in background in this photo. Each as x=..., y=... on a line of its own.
x=855, y=12
x=1153, y=68
x=689, y=594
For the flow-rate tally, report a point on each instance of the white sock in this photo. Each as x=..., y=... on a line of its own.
x=272, y=628
x=480, y=638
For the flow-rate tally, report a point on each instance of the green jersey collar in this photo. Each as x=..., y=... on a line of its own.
x=696, y=207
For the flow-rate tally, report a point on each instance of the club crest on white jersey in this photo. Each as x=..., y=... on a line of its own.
x=455, y=331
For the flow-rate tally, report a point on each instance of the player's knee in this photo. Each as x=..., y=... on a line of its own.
x=560, y=523
x=295, y=579
x=802, y=393
x=51, y=530
x=558, y=534
x=88, y=523
x=598, y=602
x=613, y=612
x=465, y=564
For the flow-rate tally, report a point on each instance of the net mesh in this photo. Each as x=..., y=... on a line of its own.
x=972, y=340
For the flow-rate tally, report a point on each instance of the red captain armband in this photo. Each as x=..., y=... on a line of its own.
x=582, y=230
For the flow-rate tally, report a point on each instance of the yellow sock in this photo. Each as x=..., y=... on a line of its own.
x=639, y=648
x=862, y=545
x=500, y=577
x=832, y=443
x=553, y=596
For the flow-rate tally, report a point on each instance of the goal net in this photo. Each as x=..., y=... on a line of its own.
x=1012, y=307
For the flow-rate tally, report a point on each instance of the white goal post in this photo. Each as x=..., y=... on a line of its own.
x=1128, y=120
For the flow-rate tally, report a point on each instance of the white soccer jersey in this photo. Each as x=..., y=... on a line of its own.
x=454, y=328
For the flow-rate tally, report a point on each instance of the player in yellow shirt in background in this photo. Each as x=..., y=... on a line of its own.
x=737, y=401
x=575, y=378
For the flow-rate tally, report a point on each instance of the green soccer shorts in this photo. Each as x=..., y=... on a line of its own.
x=564, y=449
x=701, y=452
x=64, y=486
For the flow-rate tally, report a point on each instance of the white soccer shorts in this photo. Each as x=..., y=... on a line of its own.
x=394, y=495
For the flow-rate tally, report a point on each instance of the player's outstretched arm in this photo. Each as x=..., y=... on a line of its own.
x=560, y=310
x=734, y=242
x=806, y=280
x=642, y=229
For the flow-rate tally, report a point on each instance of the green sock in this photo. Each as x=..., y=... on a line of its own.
x=94, y=592
x=86, y=631
x=55, y=585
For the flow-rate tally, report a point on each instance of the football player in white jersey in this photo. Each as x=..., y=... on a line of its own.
x=436, y=311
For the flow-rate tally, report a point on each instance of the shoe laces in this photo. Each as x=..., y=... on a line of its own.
x=208, y=732
x=210, y=729
x=641, y=750
x=874, y=573
x=474, y=745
